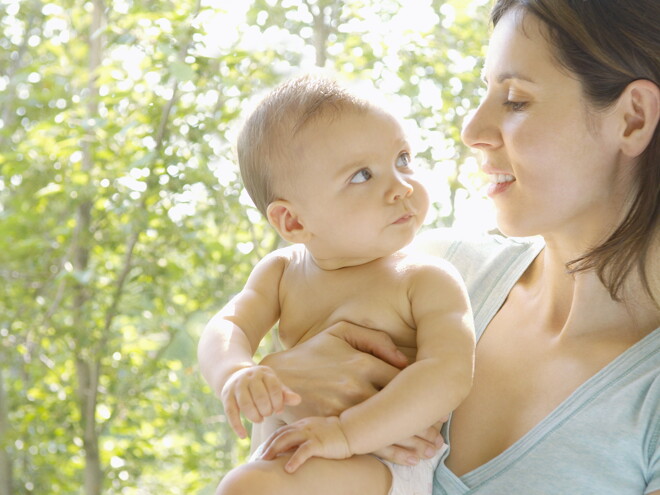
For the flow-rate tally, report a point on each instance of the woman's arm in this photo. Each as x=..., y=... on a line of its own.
x=343, y=366
x=336, y=369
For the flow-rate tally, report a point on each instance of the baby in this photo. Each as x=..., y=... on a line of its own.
x=333, y=174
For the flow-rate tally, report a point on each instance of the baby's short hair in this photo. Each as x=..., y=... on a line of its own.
x=266, y=136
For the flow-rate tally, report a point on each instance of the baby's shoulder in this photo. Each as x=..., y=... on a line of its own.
x=433, y=285
x=419, y=263
x=429, y=271
x=290, y=261
x=293, y=253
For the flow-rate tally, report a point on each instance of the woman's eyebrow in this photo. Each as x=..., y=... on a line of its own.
x=505, y=76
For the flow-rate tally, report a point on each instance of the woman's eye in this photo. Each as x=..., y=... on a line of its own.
x=516, y=106
x=362, y=176
x=403, y=160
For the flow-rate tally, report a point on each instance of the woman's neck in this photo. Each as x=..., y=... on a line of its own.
x=575, y=305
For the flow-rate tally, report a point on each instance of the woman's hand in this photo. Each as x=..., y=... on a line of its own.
x=336, y=369
x=422, y=446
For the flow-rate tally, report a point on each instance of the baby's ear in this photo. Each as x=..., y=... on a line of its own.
x=282, y=216
x=641, y=100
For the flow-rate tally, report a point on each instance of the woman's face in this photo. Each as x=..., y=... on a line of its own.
x=554, y=166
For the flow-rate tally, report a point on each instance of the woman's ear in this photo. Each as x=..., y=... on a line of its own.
x=641, y=106
x=282, y=216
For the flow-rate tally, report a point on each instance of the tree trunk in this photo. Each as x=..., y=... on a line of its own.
x=87, y=389
x=320, y=39
x=6, y=471
x=322, y=13
x=88, y=361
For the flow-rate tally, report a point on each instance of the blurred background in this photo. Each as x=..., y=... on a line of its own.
x=123, y=223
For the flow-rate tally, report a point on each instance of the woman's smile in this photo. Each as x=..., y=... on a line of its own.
x=499, y=183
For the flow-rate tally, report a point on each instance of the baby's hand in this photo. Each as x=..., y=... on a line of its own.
x=257, y=392
x=310, y=437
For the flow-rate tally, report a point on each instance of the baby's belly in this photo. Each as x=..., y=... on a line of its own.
x=408, y=348
x=404, y=337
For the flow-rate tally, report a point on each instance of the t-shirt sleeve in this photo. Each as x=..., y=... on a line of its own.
x=654, y=464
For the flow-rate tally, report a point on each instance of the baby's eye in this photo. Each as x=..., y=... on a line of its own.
x=403, y=160
x=361, y=176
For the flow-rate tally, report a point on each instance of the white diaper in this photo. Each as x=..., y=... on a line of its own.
x=406, y=480
x=414, y=480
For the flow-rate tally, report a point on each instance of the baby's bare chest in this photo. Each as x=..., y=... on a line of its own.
x=311, y=303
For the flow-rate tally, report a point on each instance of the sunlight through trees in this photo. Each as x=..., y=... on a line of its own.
x=124, y=225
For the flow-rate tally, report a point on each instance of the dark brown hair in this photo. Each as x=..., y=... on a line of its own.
x=608, y=44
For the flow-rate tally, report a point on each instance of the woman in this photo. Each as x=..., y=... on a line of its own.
x=566, y=394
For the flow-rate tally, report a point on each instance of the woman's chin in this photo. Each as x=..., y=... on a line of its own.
x=515, y=229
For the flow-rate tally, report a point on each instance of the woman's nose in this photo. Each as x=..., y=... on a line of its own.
x=480, y=129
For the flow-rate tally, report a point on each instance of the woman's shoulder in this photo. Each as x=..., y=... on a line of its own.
x=477, y=251
x=489, y=264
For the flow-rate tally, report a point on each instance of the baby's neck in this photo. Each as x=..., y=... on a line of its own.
x=331, y=264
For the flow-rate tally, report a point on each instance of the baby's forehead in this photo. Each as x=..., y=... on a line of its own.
x=332, y=116
x=327, y=113
x=348, y=134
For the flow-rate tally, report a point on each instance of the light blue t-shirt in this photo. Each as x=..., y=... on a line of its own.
x=603, y=439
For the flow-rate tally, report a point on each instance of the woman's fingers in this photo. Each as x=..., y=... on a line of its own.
x=422, y=446
x=430, y=437
x=357, y=374
x=398, y=455
x=374, y=342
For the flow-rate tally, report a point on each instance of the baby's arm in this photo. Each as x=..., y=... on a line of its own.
x=417, y=397
x=229, y=340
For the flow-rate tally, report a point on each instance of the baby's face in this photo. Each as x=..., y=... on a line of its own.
x=356, y=192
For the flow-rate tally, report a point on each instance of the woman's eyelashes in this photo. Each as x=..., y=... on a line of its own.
x=515, y=100
x=516, y=106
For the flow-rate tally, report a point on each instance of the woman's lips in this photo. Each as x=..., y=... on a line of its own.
x=499, y=183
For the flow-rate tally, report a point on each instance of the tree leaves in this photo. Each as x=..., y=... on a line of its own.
x=124, y=226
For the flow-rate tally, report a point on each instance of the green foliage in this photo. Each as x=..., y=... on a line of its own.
x=124, y=225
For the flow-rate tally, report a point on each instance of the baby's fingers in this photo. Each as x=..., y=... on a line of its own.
x=273, y=400
x=257, y=401
x=290, y=397
x=286, y=438
x=302, y=453
x=234, y=417
x=279, y=395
